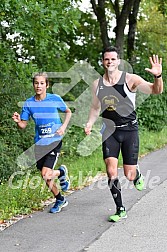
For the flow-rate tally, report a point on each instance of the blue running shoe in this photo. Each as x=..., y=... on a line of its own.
x=58, y=206
x=64, y=179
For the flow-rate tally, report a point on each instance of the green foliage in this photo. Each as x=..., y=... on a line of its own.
x=37, y=26
x=152, y=113
x=31, y=41
x=15, y=78
x=12, y=141
x=162, y=7
x=85, y=43
x=71, y=140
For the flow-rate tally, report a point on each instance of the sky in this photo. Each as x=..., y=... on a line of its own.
x=84, y=5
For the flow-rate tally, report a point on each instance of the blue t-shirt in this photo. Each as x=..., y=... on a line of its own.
x=45, y=114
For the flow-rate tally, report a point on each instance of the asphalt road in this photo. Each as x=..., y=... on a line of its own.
x=83, y=225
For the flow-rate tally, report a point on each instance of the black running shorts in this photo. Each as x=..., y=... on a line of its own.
x=47, y=155
x=125, y=141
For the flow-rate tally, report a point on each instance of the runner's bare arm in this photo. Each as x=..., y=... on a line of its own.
x=62, y=129
x=94, y=110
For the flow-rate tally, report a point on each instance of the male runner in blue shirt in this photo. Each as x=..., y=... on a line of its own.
x=44, y=109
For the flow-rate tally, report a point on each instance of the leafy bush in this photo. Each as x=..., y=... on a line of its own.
x=152, y=114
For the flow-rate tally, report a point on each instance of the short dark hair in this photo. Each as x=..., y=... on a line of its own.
x=110, y=49
x=41, y=74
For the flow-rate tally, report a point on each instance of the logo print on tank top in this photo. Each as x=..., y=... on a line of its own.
x=110, y=102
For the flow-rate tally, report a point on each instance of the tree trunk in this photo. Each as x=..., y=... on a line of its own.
x=132, y=30
x=121, y=21
x=99, y=10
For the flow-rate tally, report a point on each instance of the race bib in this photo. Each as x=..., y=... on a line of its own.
x=46, y=130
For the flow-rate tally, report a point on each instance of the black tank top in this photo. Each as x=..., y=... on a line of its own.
x=117, y=103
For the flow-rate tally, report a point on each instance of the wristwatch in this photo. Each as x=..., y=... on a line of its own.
x=159, y=76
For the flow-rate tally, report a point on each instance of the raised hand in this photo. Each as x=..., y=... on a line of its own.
x=156, y=65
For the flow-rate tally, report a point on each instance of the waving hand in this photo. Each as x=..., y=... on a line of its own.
x=156, y=65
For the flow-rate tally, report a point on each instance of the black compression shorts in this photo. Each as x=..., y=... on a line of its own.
x=125, y=141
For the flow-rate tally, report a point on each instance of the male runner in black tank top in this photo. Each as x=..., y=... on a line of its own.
x=114, y=95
